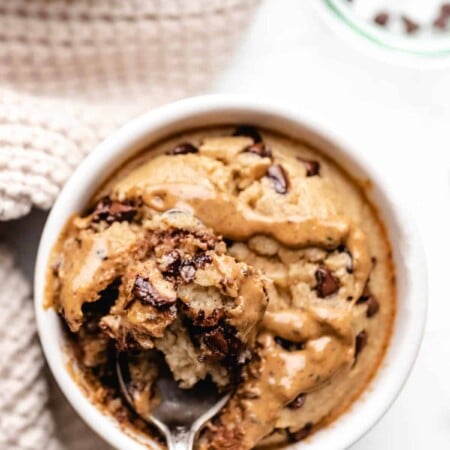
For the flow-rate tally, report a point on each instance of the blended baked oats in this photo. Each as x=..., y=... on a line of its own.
x=232, y=254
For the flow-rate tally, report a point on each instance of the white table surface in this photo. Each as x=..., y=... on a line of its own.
x=401, y=118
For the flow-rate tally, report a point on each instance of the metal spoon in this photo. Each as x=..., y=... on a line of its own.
x=181, y=413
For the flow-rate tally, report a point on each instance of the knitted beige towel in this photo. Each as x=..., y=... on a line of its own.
x=70, y=72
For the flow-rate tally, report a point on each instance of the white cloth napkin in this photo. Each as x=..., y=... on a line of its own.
x=71, y=72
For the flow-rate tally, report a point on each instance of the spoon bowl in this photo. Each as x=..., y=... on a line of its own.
x=180, y=413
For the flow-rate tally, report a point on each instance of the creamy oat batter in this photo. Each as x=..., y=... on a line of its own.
x=296, y=230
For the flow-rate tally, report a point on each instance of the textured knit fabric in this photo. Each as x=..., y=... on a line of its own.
x=71, y=71
x=25, y=420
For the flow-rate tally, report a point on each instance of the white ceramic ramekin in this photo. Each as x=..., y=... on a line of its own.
x=214, y=110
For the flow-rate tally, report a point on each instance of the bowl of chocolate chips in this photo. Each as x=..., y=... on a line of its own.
x=410, y=32
x=240, y=243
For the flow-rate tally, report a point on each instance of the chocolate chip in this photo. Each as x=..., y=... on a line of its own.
x=279, y=178
x=216, y=341
x=301, y=434
x=114, y=211
x=441, y=21
x=259, y=149
x=360, y=342
x=298, y=402
x=201, y=259
x=373, y=305
x=382, y=18
x=146, y=293
x=222, y=343
x=233, y=343
x=312, y=167
x=183, y=149
x=445, y=9
x=174, y=266
x=171, y=263
x=327, y=283
x=344, y=249
x=411, y=27
x=187, y=271
x=290, y=346
x=236, y=356
x=210, y=321
x=248, y=131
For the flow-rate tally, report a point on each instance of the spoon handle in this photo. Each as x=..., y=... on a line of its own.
x=181, y=439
